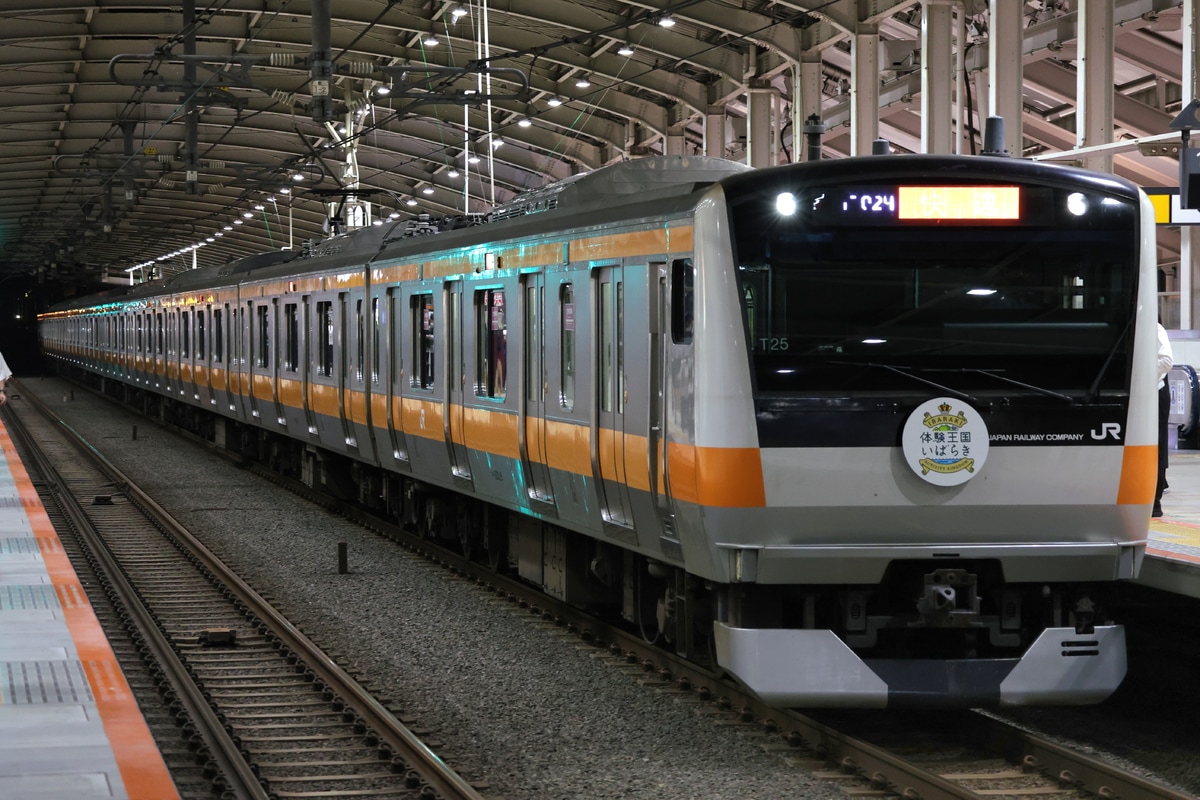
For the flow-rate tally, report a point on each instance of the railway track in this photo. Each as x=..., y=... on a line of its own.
x=262, y=711
x=961, y=755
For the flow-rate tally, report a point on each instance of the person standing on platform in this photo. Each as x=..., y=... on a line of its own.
x=5, y=374
x=1166, y=359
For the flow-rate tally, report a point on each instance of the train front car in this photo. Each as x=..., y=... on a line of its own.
x=951, y=383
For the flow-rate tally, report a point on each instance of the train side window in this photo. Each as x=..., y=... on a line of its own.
x=683, y=300
x=291, y=337
x=423, y=340
x=491, y=326
x=218, y=336
x=566, y=335
x=263, y=351
x=325, y=338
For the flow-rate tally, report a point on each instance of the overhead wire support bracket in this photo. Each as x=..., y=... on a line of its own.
x=429, y=83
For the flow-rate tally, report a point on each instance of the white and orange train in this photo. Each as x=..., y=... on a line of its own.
x=874, y=432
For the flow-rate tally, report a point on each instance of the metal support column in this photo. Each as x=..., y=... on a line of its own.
x=676, y=144
x=1094, y=81
x=714, y=132
x=864, y=89
x=937, y=135
x=1189, y=240
x=806, y=99
x=1005, y=68
x=760, y=127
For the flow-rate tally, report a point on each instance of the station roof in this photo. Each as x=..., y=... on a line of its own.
x=133, y=130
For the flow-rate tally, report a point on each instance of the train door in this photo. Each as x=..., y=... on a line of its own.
x=345, y=372
x=609, y=441
x=221, y=365
x=535, y=385
x=160, y=350
x=456, y=407
x=241, y=358
x=659, y=385
x=394, y=371
x=309, y=363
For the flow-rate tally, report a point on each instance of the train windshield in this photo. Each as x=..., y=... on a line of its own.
x=979, y=288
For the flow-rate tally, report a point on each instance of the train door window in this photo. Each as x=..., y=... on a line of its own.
x=291, y=337
x=325, y=338
x=566, y=335
x=185, y=327
x=607, y=334
x=139, y=338
x=423, y=340
x=683, y=300
x=376, y=327
x=360, y=360
x=535, y=381
x=238, y=319
x=201, y=340
x=218, y=342
x=263, y=351
x=491, y=326
x=159, y=334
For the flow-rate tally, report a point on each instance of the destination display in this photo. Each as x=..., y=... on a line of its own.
x=906, y=204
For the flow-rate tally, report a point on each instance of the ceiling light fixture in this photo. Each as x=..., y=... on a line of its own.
x=666, y=21
x=430, y=41
x=553, y=102
x=582, y=82
x=427, y=190
x=625, y=50
x=452, y=173
x=412, y=201
x=457, y=13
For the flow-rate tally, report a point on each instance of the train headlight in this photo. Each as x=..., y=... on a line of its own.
x=1077, y=204
x=785, y=204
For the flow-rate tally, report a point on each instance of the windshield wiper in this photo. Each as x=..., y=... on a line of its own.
x=908, y=374
x=1030, y=386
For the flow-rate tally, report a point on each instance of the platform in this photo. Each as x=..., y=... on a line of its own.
x=1173, y=554
x=69, y=724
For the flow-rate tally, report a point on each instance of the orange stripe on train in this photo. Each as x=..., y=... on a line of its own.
x=1139, y=475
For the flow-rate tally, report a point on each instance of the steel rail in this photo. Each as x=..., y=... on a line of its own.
x=225, y=751
x=404, y=743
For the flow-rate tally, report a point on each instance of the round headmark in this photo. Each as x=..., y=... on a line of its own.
x=945, y=441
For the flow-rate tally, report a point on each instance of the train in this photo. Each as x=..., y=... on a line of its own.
x=873, y=432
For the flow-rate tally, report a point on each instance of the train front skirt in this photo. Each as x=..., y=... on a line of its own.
x=815, y=669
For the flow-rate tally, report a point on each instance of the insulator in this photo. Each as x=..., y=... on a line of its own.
x=356, y=67
x=284, y=59
x=287, y=98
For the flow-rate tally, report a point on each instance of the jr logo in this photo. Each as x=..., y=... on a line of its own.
x=1107, y=428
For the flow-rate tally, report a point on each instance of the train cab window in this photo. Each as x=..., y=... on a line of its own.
x=325, y=338
x=263, y=351
x=423, y=340
x=491, y=326
x=218, y=337
x=291, y=337
x=683, y=302
x=566, y=336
